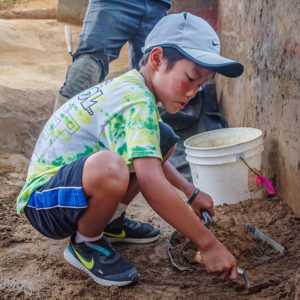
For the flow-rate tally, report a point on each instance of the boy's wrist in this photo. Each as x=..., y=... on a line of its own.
x=207, y=242
x=192, y=198
x=189, y=190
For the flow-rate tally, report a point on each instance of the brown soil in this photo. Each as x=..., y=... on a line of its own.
x=28, y=4
x=244, y=245
x=33, y=9
x=32, y=65
x=32, y=266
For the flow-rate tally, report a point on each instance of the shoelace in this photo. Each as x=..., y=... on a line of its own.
x=106, y=245
x=130, y=223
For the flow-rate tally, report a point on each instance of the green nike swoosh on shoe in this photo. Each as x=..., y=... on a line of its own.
x=88, y=264
x=121, y=235
x=131, y=231
x=101, y=262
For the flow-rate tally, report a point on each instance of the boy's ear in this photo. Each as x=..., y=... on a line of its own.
x=156, y=57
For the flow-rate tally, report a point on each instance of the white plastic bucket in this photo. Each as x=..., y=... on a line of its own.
x=216, y=167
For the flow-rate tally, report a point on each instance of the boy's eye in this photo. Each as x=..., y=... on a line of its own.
x=190, y=78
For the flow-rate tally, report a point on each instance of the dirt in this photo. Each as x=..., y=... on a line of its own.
x=32, y=266
x=33, y=64
x=272, y=276
x=238, y=239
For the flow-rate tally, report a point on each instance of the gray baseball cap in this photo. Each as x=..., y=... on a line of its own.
x=195, y=39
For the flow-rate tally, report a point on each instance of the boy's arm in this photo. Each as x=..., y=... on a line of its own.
x=164, y=199
x=202, y=201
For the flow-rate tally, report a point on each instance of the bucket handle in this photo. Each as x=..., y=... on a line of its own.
x=260, y=179
x=242, y=158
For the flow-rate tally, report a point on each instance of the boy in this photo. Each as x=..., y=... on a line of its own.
x=103, y=146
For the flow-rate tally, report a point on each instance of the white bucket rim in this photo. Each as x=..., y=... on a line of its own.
x=219, y=130
x=223, y=159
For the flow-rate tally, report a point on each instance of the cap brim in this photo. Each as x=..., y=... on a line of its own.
x=220, y=64
x=215, y=62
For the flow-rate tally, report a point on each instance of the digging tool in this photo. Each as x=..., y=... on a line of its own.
x=279, y=248
x=207, y=221
x=68, y=34
x=243, y=273
x=257, y=233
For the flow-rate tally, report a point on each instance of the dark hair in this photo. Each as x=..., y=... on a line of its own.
x=171, y=55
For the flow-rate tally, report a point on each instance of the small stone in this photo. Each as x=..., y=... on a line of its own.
x=113, y=289
x=144, y=259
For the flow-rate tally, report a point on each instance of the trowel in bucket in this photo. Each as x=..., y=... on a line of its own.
x=208, y=222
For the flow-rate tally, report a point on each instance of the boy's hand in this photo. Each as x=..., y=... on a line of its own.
x=219, y=261
x=203, y=201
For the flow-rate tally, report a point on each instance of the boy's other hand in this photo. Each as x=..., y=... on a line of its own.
x=219, y=261
x=201, y=202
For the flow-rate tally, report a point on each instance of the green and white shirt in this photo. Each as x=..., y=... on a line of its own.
x=118, y=115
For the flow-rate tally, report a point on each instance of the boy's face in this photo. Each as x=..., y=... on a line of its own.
x=174, y=88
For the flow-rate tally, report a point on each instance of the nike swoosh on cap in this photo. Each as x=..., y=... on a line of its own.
x=88, y=264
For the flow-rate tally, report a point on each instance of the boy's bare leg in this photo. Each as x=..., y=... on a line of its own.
x=105, y=181
x=132, y=191
x=124, y=229
x=133, y=187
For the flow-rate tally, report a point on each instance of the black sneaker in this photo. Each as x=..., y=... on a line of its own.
x=124, y=229
x=101, y=261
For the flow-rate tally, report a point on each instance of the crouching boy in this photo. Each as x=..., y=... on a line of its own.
x=106, y=144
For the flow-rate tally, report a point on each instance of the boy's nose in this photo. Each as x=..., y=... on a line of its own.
x=192, y=93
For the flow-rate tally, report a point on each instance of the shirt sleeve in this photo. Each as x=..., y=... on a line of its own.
x=142, y=130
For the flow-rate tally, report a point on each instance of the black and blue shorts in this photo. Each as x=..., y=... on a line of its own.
x=55, y=208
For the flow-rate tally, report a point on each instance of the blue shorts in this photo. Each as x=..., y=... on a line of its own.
x=55, y=208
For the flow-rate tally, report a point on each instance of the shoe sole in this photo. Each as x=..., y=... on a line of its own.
x=69, y=257
x=131, y=240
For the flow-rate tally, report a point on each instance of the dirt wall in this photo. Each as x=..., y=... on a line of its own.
x=263, y=35
x=71, y=12
x=202, y=8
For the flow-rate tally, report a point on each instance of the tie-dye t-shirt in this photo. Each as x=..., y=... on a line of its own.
x=119, y=115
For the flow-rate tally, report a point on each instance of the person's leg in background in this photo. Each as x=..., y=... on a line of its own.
x=154, y=11
x=108, y=25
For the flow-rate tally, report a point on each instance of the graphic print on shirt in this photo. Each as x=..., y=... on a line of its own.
x=60, y=125
x=87, y=98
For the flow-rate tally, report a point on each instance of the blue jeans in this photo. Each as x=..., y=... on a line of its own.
x=109, y=24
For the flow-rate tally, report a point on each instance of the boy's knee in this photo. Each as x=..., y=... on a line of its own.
x=108, y=169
